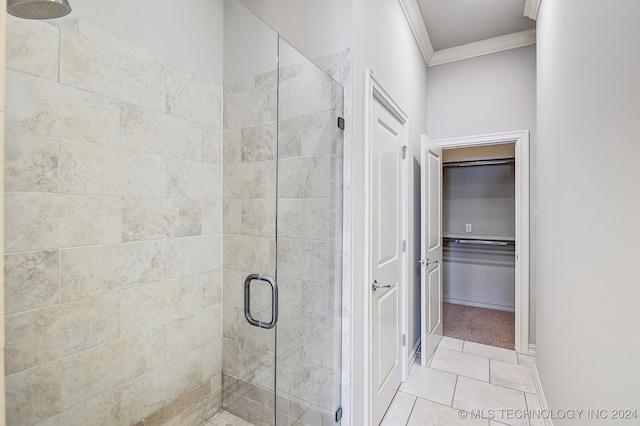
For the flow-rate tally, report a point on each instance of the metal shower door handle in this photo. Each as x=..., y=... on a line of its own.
x=274, y=301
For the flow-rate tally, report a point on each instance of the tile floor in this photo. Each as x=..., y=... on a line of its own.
x=467, y=384
x=461, y=377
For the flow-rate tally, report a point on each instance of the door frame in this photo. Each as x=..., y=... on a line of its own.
x=374, y=92
x=521, y=140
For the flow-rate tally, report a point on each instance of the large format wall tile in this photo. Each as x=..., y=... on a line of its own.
x=32, y=280
x=155, y=218
x=90, y=271
x=103, y=410
x=97, y=169
x=187, y=178
x=151, y=131
x=33, y=395
x=43, y=335
x=32, y=48
x=100, y=69
x=41, y=106
x=39, y=221
x=31, y=162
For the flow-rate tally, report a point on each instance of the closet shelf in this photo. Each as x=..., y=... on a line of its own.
x=479, y=239
x=495, y=162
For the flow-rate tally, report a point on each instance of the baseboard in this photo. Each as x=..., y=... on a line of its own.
x=543, y=400
x=532, y=349
x=477, y=304
x=413, y=355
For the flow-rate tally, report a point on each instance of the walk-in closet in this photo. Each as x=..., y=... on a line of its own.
x=478, y=213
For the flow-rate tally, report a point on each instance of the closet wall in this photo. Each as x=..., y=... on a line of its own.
x=479, y=264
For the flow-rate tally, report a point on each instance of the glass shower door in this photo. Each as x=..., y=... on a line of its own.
x=308, y=242
x=282, y=230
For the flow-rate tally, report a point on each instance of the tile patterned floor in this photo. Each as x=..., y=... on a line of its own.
x=224, y=418
x=494, y=382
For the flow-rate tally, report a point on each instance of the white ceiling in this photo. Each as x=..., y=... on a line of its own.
x=454, y=30
x=456, y=22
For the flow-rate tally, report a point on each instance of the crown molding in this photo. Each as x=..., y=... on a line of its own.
x=411, y=10
x=483, y=47
x=531, y=8
x=432, y=58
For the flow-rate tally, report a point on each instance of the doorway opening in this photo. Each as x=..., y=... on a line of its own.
x=486, y=238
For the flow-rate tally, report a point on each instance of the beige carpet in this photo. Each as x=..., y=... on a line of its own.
x=486, y=326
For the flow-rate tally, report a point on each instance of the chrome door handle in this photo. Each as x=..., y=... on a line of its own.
x=427, y=262
x=376, y=286
x=274, y=301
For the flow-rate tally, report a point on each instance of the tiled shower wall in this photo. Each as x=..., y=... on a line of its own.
x=113, y=232
x=309, y=251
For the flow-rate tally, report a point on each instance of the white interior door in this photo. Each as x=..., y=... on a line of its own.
x=386, y=234
x=430, y=248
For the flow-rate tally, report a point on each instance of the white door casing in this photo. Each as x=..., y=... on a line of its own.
x=386, y=258
x=430, y=248
x=521, y=140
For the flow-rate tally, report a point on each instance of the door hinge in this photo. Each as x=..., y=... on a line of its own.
x=404, y=246
x=338, y=414
x=404, y=152
x=404, y=340
x=341, y=123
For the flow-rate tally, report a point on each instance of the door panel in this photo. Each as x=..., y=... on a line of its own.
x=386, y=260
x=431, y=248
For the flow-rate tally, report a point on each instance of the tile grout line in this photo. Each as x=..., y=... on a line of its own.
x=415, y=400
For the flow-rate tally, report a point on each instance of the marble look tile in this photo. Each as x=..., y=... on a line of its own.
x=232, y=216
x=162, y=302
x=321, y=134
x=193, y=179
x=232, y=146
x=41, y=221
x=31, y=162
x=233, y=287
x=428, y=413
x=533, y=404
x=259, y=217
x=526, y=360
x=32, y=280
x=513, y=376
x=155, y=218
x=249, y=108
x=320, y=302
x=32, y=47
x=43, y=335
x=192, y=255
x=460, y=363
x=290, y=218
x=98, y=169
x=305, y=94
x=307, y=177
x=319, y=219
x=102, y=410
x=248, y=180
x=33, y=395
x=46, y=107
x=475, y=395
x=211, y=145
x=290, y=137
x=451, y=344
x=66, y=23
x=212, y=359
x=211, y=216
x=105, y=39
x=151, y=131
x=258, y=143
x=91, y=372
x=100, y=69
x=211, y=287
x=149, y=392
x=290, y=298
x=193, y=331
x=193, y=97
x=492, y=352
x=427, y=383
x=90, y=271
x=240, y=86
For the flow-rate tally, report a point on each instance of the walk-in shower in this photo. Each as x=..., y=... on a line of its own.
x=173, y=237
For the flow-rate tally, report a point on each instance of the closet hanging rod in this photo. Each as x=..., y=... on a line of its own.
x=471, y=163
x=480, y=242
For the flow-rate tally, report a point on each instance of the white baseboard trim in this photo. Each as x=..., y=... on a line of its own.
x=476, y=304
x=532, y=349
x=543, y=400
